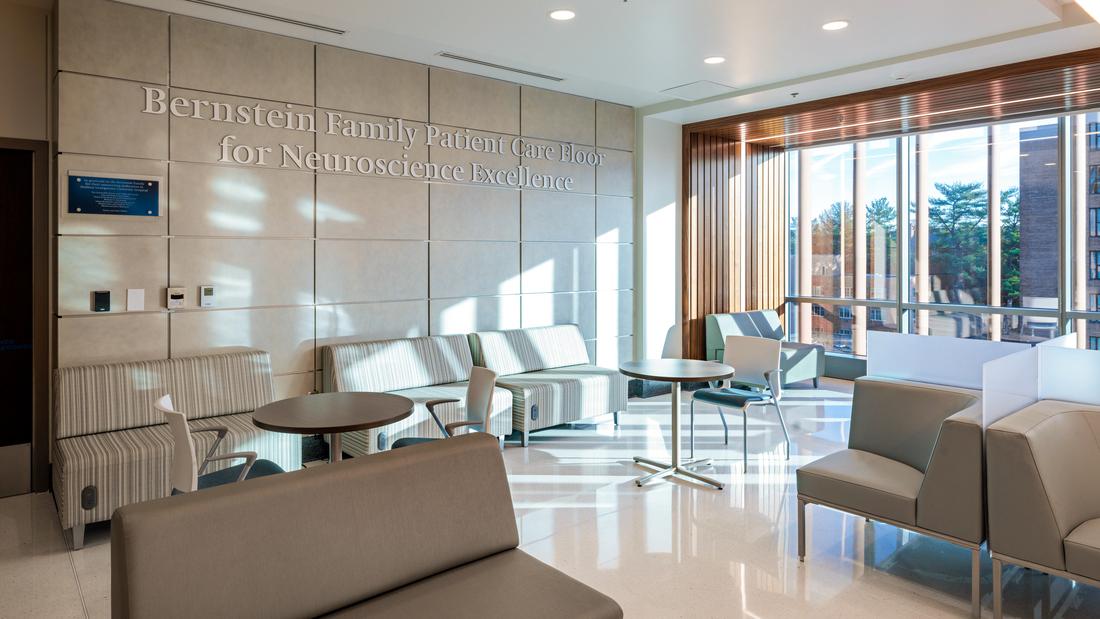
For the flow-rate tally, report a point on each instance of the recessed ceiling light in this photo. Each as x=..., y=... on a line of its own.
x=562, y=14
x=714, y=59
x=839, y=24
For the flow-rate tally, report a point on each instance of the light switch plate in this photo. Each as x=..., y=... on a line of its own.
x=135, y=299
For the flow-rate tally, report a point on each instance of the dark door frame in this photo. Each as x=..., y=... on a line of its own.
x=42, y=325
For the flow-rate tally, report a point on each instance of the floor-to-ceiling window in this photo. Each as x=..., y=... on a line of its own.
x=999, y=234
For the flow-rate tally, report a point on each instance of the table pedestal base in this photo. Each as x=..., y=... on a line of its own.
x=335, y=449
x=676, y=467
x=666, y=470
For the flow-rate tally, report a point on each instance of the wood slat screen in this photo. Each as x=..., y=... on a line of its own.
x=710, y=177
x=734, y=243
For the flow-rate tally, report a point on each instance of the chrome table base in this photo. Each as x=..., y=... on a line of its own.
x=677, y=467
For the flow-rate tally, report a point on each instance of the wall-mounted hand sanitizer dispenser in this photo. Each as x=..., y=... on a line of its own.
x=206, y=296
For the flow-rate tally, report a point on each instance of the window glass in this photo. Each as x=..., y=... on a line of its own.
x=880, y=190
x=1025, y=167
x=951, y=167
x=827, y=202
x=831, y=329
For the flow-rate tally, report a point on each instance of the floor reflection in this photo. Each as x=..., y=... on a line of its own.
x=671, y=549
x=676, y=549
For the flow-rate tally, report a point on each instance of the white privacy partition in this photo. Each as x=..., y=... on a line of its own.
x=929, y=359
x=1065, y=341
x=1069, y=374
x=1009, y=384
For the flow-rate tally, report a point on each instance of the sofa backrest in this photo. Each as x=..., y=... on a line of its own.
x=901, y=420
x=117, y=396
x=529, y=350
x=1042, y=463
x=359, y=528
x=759, y=323
x=390, y=365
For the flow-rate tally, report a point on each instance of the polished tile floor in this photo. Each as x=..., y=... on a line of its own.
x=671, y=549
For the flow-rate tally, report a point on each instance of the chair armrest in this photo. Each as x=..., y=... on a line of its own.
x=431, y=404
x=249, y=460
x=460, y=424
x=222, y=431
x=952, y=495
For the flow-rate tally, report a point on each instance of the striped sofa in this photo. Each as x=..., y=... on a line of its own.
x=421, y=369
x=549, y=374
x=113, y=448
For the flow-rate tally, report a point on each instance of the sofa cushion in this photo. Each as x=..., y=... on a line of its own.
x=420, y=423
x=1083, y=549
x=131, y=466
x=529, y=350
x=453, y=594
x=117, y=396
x=564, y=394
x=389, y=365
x=865, y=482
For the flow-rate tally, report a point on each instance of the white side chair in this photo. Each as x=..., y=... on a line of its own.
x=479, y=397
x=756, y=361
x=186, y=475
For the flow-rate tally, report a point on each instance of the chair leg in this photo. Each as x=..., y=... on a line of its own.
x=997, y=590
x=526, y=440
x=783, y=424
x=500, y=439
x=78, y=536
x=801, y=531
x=616, y=418
x=975, y=582
x=815, y=383
x=745, y=440
x=725, y=426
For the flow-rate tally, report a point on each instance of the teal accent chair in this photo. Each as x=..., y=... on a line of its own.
x=799, y=361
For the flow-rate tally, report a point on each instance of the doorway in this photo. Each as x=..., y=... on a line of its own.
x=24, y=317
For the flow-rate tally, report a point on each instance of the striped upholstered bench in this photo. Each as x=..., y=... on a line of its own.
x=113, y=448
x=421, y=369
x=548, y=371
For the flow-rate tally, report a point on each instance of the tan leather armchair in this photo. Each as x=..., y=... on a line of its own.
x=1044, y=498
x=914, y=460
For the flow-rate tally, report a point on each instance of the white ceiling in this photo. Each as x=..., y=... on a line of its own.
x=629, y=51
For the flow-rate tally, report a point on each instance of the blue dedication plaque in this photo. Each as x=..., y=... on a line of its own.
x=99, y=194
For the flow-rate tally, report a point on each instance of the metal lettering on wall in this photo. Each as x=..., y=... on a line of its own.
x=393, y=130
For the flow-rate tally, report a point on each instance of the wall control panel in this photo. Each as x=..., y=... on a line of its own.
x=175, y=298
x=101, y=300
x=206, y=295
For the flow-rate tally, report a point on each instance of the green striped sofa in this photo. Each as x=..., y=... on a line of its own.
x=111, y=442
x=551, y=378
x=421, y=369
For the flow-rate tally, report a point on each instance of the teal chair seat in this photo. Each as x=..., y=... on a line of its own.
x=737, y=398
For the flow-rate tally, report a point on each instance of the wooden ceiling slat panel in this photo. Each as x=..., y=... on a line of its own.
x=1055, y=85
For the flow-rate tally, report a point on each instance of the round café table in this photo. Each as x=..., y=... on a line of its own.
x=676, y=371
x=332, y=414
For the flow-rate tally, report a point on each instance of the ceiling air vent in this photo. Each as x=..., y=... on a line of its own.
x=285, y=20
x=695, y=91
x=493, y=65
